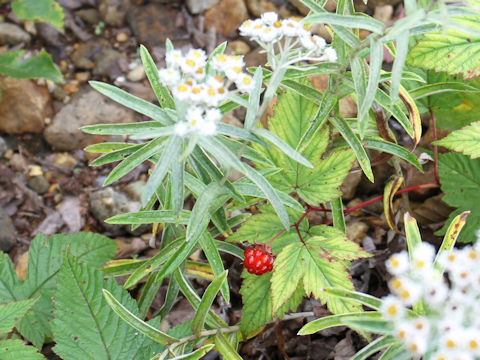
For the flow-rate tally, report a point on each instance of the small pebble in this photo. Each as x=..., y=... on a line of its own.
x=121, y=37
x=82, y=76
x=136, y=74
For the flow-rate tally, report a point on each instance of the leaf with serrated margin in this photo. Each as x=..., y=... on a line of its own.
x=13, y=64
x=16, y=350
x=460, y=181
x=288, y=269
x=85, y=327
x=44, y=261
x=455, y=52
x=12, y=312
x=465, y=140
x=292, y=118
x=257, y=302
x=9, y=282
x=48, y=11
x=321, y=271
x=336, y=245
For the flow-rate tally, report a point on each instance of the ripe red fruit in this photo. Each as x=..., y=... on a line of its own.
x=258, y=261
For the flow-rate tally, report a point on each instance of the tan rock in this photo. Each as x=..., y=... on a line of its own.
x=348, y=106
x=226, y=16
x=383, y=13
x=356, y=231
x=258, y=7
x=349, y=185
x=24, y=106
x=239, y=47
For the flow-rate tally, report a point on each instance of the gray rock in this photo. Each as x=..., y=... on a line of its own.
x=86, y=108
x=106, y=63
x=11, y=34
x=113, y=12
x=199, y=6
x=90, y=16
x=7, y=232
x=39, y=184
x=108, y=202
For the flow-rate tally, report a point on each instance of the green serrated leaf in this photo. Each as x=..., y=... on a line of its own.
x=46, y=11
x=84, y=325
x=9, y=282
x=465, y=140
x=16, y=350
x=460, y=181
x=257, y=302
x=12, y=312
x=14, y=65
x=291, y=120
x=455, y=52
x=45, y=258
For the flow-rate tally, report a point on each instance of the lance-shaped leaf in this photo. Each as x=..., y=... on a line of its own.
x=135, y=103
x=225, y=348
x=209, y=296
x=391, y=188
x=135, y=322
x=337, y=320
x=162, y=93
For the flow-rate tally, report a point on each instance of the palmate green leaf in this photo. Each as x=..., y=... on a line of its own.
x=85, y=327
x=13, y=64
x=46, y=11
x=44, y=261
x=12, y=312
x=317, y=268
x=257, y=302
x=455, y=52
x=16, y=350
x=460, y=181
x=291, y=120
x=465, y=140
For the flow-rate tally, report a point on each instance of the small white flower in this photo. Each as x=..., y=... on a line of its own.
x=398, y=263
x=174, y=58
x=307, y=41
x=461, y=275
x=392, y=308
x=290, y=27
x=409, y=293
x=452, y=340
x=182, y=92
x=195, y=117
x=423, y=256
x=269, y=17
x=245, y=83
x=330, y=54
x=181, y=129
x=269, y=34
x=403, y=330
x=449, y=259
x=169, y=77
x=208, y=128
x=435, y=292
x=471, y=341
x=417, y=345
x=213, y=115
x=421, y=326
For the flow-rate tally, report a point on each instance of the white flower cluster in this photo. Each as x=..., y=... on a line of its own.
x=450, y=327
x=199, y=92
x=299, y=41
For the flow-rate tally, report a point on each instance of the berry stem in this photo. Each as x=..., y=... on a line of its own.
x=349, y=210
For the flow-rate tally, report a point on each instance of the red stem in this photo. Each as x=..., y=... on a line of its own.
x=348, y=211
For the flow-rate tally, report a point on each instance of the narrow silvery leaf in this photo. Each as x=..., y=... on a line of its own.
x=348, y=21
x=402, y=50
x=254, y=100
x=171, y=152
x=282, y=145
x=376, y=59
x=133, y=102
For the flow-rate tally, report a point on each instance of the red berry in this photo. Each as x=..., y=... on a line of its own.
x=258, y=261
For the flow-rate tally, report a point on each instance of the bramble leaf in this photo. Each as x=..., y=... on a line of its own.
x=14, y=65
x=465, y=140
x=16, y=349
x=257, y=302
x=292, y=118
x=460, y=180
x=47, y=11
